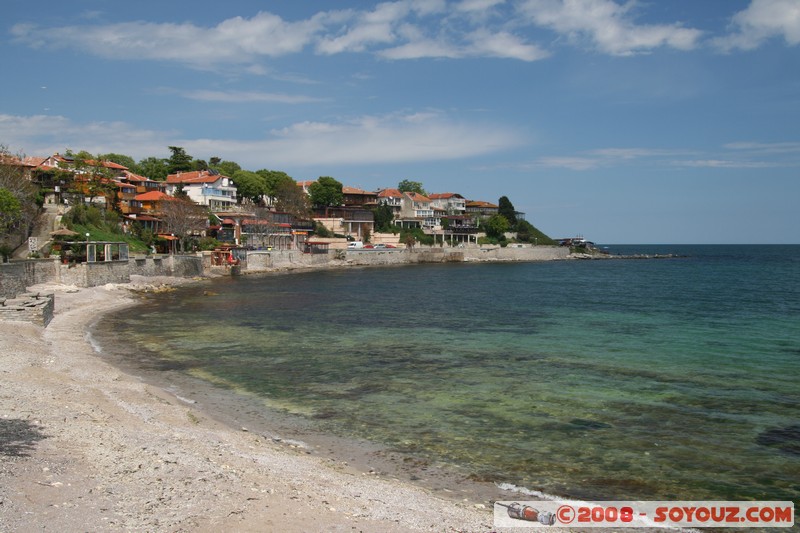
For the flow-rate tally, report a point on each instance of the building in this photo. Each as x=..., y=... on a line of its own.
x=204, y=187
x=352, y=197
x=481, y=210
x=392, y=198
x=417, y=211
x=452, y=203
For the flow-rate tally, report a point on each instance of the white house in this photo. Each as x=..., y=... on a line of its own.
x=205, y=187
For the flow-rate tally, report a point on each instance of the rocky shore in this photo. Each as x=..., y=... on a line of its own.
x=86, y=447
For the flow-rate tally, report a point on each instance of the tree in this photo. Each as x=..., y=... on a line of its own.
x=383, y=217
x=153, y=168
x=249, y=185
x=181, y=217
x=93, y=178
x=179, y=161
x=273, y=178
x=120, y=159
x=10, y=216
x=411, y=186
x=180, y=192
x=227, y=168
x=506, y=208
x=326, y=192
x=18, y=205
x=290, y=198
x=496, y=226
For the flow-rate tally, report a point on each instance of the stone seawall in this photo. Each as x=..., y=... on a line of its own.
x=455, y=255
x=182, y=266
x=17, y=276
x=262, y=261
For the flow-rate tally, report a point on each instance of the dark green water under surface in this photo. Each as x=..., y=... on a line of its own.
x=607, y=380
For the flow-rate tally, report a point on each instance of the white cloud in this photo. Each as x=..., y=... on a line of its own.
x=400, y=29
x=762, y=20
x=608, y=25
x=724, y=163
x=768, y=148
x=236, y=40
x=477, y=5
x=410, y=137
x=380, y=139
x=43, y=135
x=248, y=97
x=571, y=163
x=505, y=45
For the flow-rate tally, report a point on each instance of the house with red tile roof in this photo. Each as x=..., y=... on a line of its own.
x=452, y=203
x=416, y=211
x=354, y=197
x=482, y=209
x=204, y=187
x=391, y=197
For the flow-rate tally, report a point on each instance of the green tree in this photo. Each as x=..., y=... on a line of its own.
x=383, y=217
x=153, y=168
x=227, y=168
x=249, y=185
x=411, y=186
x=179, y=161
x=506, y=208
x=10, y=216
x=121, y=159
x=496, y=226
x=273, y=178
x=326, y=192
x=180, y=193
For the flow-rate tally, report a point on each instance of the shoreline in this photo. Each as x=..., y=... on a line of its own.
x=87, y=446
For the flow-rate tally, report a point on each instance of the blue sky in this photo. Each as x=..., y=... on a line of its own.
x=627, y=122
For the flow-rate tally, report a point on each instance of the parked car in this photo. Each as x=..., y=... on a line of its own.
x=354, y=245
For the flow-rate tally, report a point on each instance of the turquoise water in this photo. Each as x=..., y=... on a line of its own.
x=606, y=380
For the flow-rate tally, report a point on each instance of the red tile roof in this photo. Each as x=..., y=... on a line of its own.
x=444, y=195
x=389, y=193
x=196, y=176
x=152, y=196
x=353, y=190
x=417, y=197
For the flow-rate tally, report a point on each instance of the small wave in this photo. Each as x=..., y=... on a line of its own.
x=93, y=343
x=536, y=493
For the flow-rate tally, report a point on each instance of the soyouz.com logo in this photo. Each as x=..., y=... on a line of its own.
x=694, y=514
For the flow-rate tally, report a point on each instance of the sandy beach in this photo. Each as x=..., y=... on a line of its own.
x=87, y=447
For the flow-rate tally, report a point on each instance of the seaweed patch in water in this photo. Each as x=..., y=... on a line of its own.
x=786, y=439
x=580, y=423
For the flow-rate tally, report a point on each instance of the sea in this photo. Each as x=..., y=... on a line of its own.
x=672, y=378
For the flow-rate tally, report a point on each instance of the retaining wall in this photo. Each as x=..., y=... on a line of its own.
x=28, y=307
x=17, y=276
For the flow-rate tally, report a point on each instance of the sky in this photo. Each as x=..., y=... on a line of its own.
x=638, y=121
